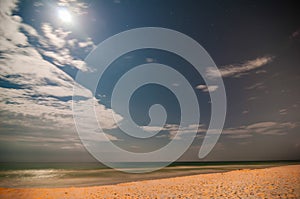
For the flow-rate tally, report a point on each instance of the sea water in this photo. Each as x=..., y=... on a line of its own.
x=49, y=174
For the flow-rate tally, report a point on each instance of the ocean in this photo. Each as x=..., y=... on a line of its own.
x=50, y=174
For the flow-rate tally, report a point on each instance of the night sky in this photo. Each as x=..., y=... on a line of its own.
x=255, y=45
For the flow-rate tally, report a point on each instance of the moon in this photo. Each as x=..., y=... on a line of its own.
x=64, y=15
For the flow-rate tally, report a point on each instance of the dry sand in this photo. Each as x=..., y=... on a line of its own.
x=276, y=182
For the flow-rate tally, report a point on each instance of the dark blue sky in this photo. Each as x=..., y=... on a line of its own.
x=255, y=45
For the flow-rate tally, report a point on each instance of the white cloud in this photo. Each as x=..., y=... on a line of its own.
x=236, y=70
x=38, y=4
x=58, y=44
x=54, y=37
x=261, y=128
x=37, y=94
x=63, y=58
x=245, y=112
x=152, y=128
x=205, y=88
x=54, y=42
x=76, y=7
x=72, y=42
x=283, y=111
x=9, y=29
x=173, y=129
x=256, y=86
x=149, y=60
x=87, y=43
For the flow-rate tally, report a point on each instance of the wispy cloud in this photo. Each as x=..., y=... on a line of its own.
x=296, y=35
x=283, y=111
x=236, y=70
x=260, y=128
x=244, y=131
x=205, y=88
x=78, y=7
x=256, y=86
x=55, y=38
x=171, y=130
x=57, y=45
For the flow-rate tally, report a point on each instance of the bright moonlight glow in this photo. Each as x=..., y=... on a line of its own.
x=64, y=15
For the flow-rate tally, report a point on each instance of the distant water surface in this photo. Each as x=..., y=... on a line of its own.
x=92, y=174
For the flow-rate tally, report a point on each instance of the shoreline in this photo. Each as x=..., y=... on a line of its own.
x=61, y=178
x=282, y=181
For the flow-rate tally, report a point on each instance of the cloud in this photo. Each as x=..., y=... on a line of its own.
x=38, y=4
x=35, y=95
x=54, y=37
x=283, y=111
x=205, y=88
x=240, y=132
x=296, y=35
x=236, y=70
x=171, y=130
x=260, y=128
x=63, y=58
x=77, y=7
x=256, y=86
x=150, y=60
x=87, y=43
x=55, y=43
x=9, y=29
x=60, y=38
x=245, y=112
x=57, y=46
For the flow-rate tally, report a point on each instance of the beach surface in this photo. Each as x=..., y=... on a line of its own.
x=275, y=182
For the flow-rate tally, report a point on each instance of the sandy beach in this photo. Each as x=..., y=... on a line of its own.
x=276, y=182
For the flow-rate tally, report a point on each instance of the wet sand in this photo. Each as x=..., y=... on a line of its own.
x=276, y=182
